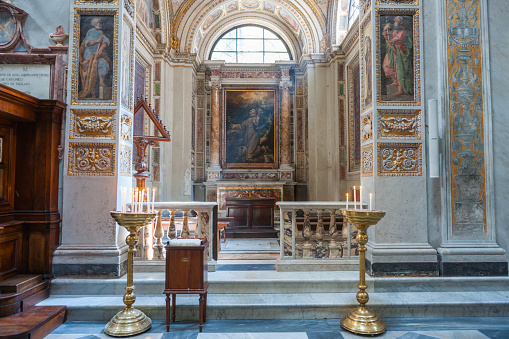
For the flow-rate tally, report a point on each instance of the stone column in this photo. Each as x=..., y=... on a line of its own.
x=393, y=145
x=214, y=170
x=469, y=246
x=285, y=85
x=98, y=145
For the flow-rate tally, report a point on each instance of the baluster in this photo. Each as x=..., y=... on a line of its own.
x=334, y=247
x=158, y=235
x=185, y=227
x=148, y=241
x=198, y=232
x=319, y=235
x=205, y=221
x=307, y=233
x=172, y=234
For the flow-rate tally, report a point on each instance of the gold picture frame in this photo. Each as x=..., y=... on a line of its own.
x=89, y=80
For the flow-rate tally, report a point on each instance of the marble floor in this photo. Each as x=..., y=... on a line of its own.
x=398, y=328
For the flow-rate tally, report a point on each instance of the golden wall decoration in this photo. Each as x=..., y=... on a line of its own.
x=126, y=128
x=367, y=161
x=125, y=161
x=399, y=159
x=92, y=159
x=367, y=127
x=92, y=123
x=466, y=117
x=129, y=7
x=399, y=124
x=94, y=79
x=354, y=115
x=366, y=58
x=398, y=69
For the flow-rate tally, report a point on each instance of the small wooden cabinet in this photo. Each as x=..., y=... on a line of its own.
x=186, y=273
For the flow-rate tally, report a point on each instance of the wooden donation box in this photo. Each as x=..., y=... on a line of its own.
x=253, y=217
x=186, y=273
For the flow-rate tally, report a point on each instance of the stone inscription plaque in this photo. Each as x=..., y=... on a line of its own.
x=30, y=79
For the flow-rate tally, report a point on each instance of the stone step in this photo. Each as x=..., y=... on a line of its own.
x=293, y=305
x=223, y=282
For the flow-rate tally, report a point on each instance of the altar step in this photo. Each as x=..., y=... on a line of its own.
x=288, y=295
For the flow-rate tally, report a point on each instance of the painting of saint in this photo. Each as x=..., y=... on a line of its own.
x=397, y=58
x=95, y=57
x=249, y=129
x=232, y=6
x=211, y=18
x=268, y=6
x=290, y=19
x=126, y=66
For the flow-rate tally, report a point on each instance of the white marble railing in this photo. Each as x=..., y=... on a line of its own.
x=319, y=232
x=152, y=237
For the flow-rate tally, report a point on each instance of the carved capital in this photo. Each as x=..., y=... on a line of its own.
x=285, y=85
x=215, y=85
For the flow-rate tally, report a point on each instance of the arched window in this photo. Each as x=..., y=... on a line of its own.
x=250, y=44
x=353, y=12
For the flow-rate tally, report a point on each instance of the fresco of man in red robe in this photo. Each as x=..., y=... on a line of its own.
x=398, y=62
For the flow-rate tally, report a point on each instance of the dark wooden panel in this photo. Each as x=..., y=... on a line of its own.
x=36, y=322
x=11, y=251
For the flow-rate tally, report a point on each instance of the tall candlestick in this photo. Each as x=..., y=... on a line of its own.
x=370, y=201
x=354, y=199
x=347, y=201
x=360, y=198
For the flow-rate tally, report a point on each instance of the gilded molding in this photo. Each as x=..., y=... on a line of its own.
x=367, y=161
x=399, y=159
x=399, y=124
x=414, y=12
x=352, y=128
x=129, y=103
x=125, y=162
x=92, y=124
x=397, y=2
x=91, y=159
x=78, y=12
x=97, y=2
x=129, y=7
x=365, y=56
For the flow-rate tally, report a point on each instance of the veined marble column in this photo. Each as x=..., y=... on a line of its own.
x=469, y=246
x=214, y=170
x=393, y=142
x=285, y=85
x=98, y=145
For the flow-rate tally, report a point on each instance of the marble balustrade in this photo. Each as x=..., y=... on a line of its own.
x=315, y=230
x=182, y=219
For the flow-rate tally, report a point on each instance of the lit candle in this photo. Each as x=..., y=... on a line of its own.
x=371, y=201
x=347, y=201
x=360, y=198
x=148, y=200
x=354, y=199
x=136, y=200
x=153, y=199
x=140, y=201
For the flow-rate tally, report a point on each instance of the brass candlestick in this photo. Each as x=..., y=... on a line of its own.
x=130, y=321
x=362, y=320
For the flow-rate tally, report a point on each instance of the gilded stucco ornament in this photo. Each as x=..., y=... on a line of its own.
x=399, y=124
x=399, y=159
x=367, y=160
x=91, y=159
x=92, y=124
x=125, y=162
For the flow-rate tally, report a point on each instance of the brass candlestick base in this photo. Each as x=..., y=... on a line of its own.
x=362, y=320
x=130, y=321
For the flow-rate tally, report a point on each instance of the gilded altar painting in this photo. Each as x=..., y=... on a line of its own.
x=95, y=59
x=397, y=65
x=250, y=127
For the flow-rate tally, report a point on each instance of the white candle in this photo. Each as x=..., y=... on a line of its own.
x=360, y=198
x=148, y=200
x=371, y=201
x=347, y=201
x=122, y=199
x=140, y=201
x=136, y=196
x=354, y=199
x=153, y=199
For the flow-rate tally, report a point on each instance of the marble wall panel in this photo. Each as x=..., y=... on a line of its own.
x=367, y=161
x=125, y=161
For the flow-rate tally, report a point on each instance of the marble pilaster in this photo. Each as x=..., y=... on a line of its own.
x=285, y=85
x=469, y=244
x=393, y=162
x=214, y=170
x=98, y=150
